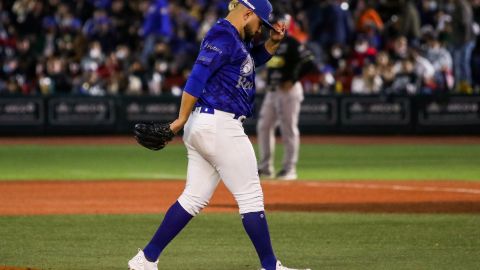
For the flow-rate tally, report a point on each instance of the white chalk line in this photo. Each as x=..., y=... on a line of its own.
x=394, y=187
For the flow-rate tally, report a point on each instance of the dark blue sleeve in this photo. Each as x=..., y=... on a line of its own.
x=197, y=80
x=214, y=53
x=260, y=54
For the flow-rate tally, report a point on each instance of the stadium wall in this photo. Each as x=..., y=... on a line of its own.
x=60, y=115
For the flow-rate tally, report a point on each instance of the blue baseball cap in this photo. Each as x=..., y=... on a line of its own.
x=262, y=8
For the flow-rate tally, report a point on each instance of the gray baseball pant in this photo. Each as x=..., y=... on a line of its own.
x=280, y=107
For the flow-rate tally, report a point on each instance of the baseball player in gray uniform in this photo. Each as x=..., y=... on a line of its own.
x=282, y=106
x=218, y=96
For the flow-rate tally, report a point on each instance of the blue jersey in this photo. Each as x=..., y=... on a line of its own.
x=225, y=70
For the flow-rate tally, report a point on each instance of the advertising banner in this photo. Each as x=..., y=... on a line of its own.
x=150, y=109
x=375, y=111
x=81, y=111
x=21, y=111
x=456, y=111
x=318, y=111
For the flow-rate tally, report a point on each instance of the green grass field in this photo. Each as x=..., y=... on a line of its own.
x=217, y=241
x=317, y=162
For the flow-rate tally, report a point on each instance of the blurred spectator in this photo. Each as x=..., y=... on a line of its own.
x=406, y=81
x=160, y=61
x=409, y=20
x=369, y=23
x=334, y=24
x=136, y=80
x=108, y=47
x=369, y=17
x=475, y=64
x=100, y=28
x=326, y=83
x=336, y=54
x=400, y=48
x=343, y=78
x=423, y=69
x=363, y=53
x=441, y=60
x=369, y=82
x=25, y=72
x=57, y=74
x=428, y=10
x=156, y=26
x=462, y=42
x=385, y=68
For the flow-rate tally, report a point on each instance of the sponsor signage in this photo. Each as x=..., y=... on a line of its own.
x=375, y=111
x=81, y=111
x=456, y=111
x=318, y=111
x=21, y=111
x=148, y=109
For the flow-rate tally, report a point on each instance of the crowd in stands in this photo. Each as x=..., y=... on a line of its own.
x=138, y=47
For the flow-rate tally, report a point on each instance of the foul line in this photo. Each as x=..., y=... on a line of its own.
x=396, y=187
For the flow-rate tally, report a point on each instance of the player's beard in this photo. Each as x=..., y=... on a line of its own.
x=249, y=33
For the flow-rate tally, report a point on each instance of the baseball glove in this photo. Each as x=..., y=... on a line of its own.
x=154, y=136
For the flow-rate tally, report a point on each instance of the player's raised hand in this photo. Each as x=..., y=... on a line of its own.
x=276, y=36
x=278, y=33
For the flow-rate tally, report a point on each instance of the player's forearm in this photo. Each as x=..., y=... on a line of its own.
x=260, y=55
x=276, y=36
x=271, y=46
x=186, y=107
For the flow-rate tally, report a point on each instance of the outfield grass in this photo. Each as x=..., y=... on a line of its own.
x=317, y=162
x=218, y=242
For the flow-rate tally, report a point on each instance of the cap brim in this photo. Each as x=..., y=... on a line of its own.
x=268, y=24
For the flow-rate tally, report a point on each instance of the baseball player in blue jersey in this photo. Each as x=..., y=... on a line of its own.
x=218, y=96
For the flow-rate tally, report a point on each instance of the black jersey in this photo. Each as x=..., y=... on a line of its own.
x=291, y=61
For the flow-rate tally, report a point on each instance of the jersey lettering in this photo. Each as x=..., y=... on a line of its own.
x=244, y=83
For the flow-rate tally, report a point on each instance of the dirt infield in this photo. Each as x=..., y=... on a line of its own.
x=127, y=197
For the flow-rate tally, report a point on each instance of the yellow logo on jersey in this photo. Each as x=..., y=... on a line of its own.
x=276, y=62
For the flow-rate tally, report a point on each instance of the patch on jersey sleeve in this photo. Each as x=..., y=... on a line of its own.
x=204, y=60
x=208, y=52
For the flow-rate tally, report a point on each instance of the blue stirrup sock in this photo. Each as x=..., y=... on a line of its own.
x=256, y=226
x=175, y=220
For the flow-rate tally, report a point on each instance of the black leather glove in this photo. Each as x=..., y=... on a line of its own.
x=154, y=136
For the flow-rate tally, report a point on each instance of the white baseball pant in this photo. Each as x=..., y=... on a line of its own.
x=218, y=148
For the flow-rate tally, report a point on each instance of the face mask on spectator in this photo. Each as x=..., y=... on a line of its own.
x=95, y=53
x=432, y=5
x=161, y=66
x=336, y=53
x=361, y=47
x=121, y=54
